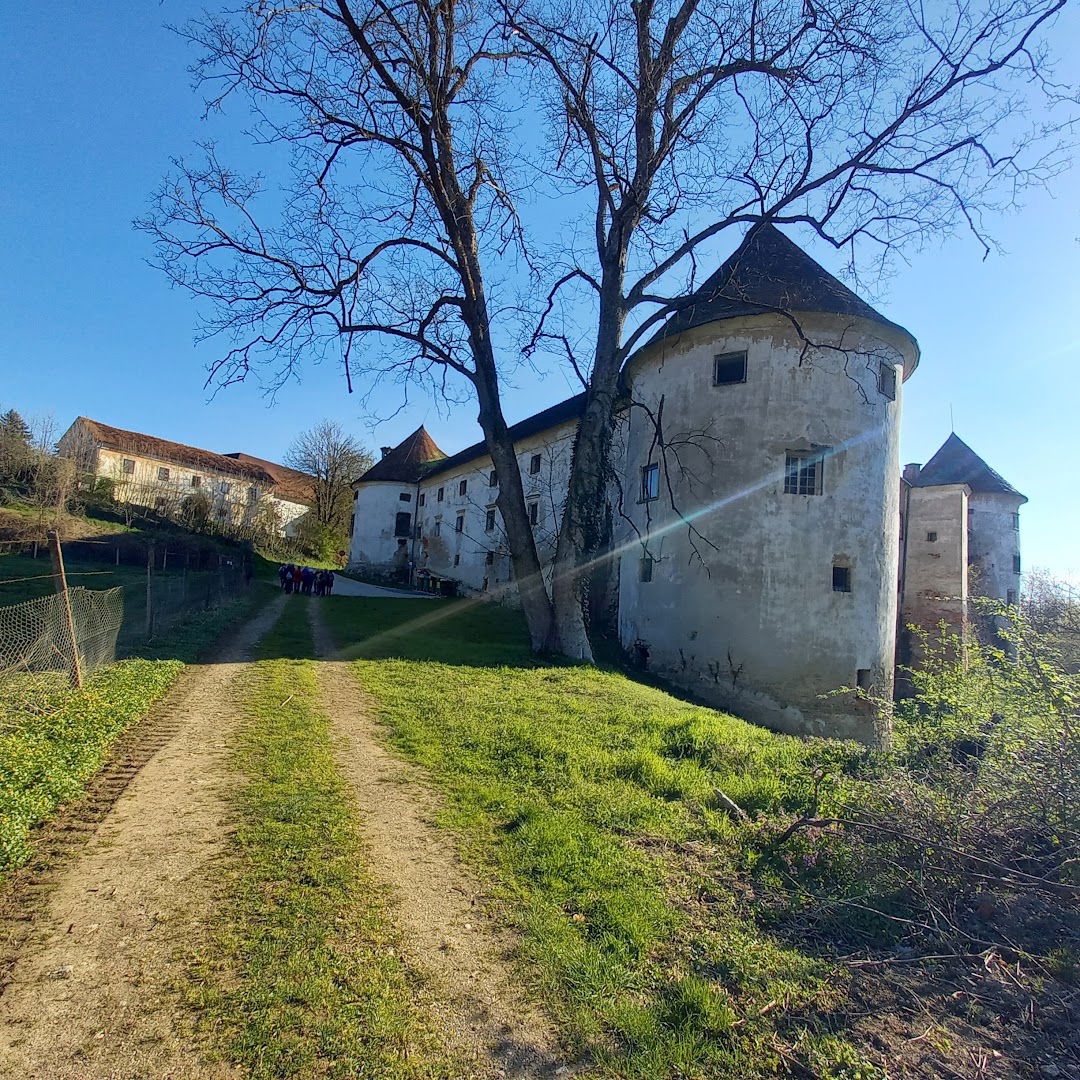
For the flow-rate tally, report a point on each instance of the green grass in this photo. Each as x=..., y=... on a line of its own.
x=303, y=976
x=53, y=738
x=590, y=800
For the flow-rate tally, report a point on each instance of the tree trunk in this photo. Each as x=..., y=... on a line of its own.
x=583, y=518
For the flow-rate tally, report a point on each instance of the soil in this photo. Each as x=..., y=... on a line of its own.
x=93, y=946
x=438, y=903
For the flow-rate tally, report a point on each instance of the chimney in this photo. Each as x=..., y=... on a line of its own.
x=911, y=473
x=384, y=450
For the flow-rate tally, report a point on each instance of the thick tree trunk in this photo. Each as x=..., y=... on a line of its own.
x=583, y=519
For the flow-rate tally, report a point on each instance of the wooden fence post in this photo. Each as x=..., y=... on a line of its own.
x=61, y=586
x=149, y=591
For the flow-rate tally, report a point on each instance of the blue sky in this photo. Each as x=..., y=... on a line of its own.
x=98, y=99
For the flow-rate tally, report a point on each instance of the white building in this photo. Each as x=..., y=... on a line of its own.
x=757, y=521
x=169, y=477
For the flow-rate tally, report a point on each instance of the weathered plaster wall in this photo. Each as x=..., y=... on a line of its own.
x=994, y=543
x=745, y=614
x=375, y=509
x=936, y=564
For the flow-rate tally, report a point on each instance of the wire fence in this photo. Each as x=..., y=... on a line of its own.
x=50, y=632
x=144, y=590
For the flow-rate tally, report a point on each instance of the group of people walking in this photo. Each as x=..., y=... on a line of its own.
x=302, y=579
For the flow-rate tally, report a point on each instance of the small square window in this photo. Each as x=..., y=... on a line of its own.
x=1016, y=564
x=864, y=678
x=421, y=498
x=534, y=464
x=196, y=481
x=439, y=494
x=489, y=520
x=729, y=368
x=462, y=487
x=163, y=474
x=534, y=513
x=129, y=466
x=645, y=568
x=803, y=472
x=931, y=537
x=493, y=480
x=404, y=497
x=886, y=380
x=650, y=482
x=459, y=524
x=841, y=578
x=489, y=559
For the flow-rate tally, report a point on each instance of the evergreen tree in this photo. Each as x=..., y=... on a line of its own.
x=14, y=427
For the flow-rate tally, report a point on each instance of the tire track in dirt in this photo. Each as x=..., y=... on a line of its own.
x=436, y=901
x=91, y=936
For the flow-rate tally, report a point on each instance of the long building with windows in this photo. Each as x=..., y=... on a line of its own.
x=231, y=490
x=756, y=540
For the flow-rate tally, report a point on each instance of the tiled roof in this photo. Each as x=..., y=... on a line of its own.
x=407, y=461
x=957, y=463
x=570, y=409
x=134, y=442
x=288, y=483
x=768, y=272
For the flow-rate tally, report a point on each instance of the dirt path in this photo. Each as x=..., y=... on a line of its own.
x=437, y=903
x=88, y=996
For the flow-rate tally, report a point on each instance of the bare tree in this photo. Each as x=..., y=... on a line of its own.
x=872, y=122
x=875, y=124
x=334, y=459
x=396, y=116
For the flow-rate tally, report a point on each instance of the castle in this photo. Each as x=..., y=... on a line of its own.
x=765, y=547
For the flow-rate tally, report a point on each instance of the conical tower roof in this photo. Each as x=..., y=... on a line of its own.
x=957, y=463
x=407, y=461
x=769, y=273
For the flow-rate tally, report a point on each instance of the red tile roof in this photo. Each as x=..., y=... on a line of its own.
x=408, y=460
x=288, y=483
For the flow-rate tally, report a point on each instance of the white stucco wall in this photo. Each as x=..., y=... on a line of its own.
x=375, y=509
x=750, y=621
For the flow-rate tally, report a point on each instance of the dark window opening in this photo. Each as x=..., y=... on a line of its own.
x=489, y=558
x=534, y=464
x=462, y=486
x=457, y=560
x=1016, y=564
x=493, y=480
x=803, y=472
x=931, y=537
x=534, y=513
x=129, y=465
x=1010, y=597
x=886, y=380
x=489, y=521
x=439, y=495
x=650, y=482
x=404, y=497
x=1016, y=522
x=841, y=578
x=437, y=530
x=645, y=568
x=864, y=678
x=459, y=524
x=729, y=368
x=163, y=474
x=421, y=498
x=352, y=523
x=402, y=523
x=224, y=487
x=196, y=481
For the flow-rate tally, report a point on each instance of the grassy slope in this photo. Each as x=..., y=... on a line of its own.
x=591, y=799
x=305, y=978
x=53, y=738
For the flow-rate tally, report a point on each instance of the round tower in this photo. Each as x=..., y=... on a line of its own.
x=762, y=487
